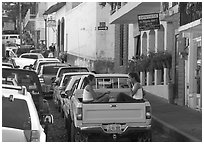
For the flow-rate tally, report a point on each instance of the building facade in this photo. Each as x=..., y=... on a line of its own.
x=176, y=83
x=84, y=35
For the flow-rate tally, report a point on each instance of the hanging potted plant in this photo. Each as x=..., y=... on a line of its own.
x=167, y=60
x=157, y=60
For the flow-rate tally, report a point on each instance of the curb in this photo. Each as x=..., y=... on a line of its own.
x=173, y=132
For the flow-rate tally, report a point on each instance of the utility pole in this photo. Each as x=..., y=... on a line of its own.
x=20, y=19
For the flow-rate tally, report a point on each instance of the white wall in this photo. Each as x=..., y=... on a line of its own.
x=80, y=27
x=105, y=41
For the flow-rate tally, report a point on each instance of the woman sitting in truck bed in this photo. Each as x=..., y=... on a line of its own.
x=89, y=94
x=136, y=91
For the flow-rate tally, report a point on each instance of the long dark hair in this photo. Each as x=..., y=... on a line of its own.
x=135, y=75
x=88, y=78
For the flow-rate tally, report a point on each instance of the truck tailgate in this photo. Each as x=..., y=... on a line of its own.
x=114, y=112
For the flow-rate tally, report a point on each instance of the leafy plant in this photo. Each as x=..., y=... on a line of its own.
x=150, y=62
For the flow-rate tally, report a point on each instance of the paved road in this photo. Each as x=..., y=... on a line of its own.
x=57, y=131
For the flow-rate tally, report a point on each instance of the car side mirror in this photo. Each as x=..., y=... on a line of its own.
x=48, y=119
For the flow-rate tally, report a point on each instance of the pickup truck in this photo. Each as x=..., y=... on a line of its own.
x=111, y=119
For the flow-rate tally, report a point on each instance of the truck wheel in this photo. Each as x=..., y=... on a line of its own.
x=76, y=135
x=144, y=137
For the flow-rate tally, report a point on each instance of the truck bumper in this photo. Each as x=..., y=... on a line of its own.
x=129, y=131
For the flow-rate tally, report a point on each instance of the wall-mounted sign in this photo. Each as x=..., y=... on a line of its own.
x=102, y=26
x=51, y=23
x=148, y=21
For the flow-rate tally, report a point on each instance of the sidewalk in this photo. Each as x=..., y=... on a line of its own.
x=182, y=123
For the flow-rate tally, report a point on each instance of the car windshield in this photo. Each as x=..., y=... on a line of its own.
x=45, y=62
x=15, y=114
x=50, y=70
x=30, y=56
x=70, y=69
x=23, y=78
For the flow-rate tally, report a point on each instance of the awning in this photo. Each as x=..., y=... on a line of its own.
x=54, y=8
x=128, y=13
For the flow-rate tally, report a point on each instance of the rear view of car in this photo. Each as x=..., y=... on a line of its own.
x=20, y=121
x=47, y=71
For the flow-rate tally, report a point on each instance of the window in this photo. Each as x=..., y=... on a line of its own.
x=121, y=44
x=137, y=45
x=15, y=114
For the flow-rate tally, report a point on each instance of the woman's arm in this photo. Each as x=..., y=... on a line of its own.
x=135, y=88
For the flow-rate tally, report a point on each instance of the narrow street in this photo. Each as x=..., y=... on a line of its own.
x=57, y=131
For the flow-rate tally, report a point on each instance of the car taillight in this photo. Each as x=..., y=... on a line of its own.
x=41, y=79
x=148, y=112
x=35, y=136
x=79, y=113
x=32, y=135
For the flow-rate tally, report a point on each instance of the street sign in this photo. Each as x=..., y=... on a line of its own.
x=102, y=26
x=51, y=23
x=148, y=21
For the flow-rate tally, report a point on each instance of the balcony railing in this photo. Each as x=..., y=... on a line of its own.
x=189, y=12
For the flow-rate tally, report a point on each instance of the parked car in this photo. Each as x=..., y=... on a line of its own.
x=10, y=53
x=71, y=69
x=31, y=55
x=6, y=64
x=39, y=62
x=131, y=119
x=64, y=85
x=24, y=49
x=20, y=121
x=45, y=74
x=23, y=62
x=30, y=80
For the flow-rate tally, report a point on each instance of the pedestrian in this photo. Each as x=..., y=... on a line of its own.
x=52, y=48
x=136, y=90
x=89, y=94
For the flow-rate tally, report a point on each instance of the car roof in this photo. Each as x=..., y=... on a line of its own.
x=110, y=75
x=47, y=59
x=17, y=91
x=55, y=64
x=71, y=67
x=31, y=54
x=77, y=73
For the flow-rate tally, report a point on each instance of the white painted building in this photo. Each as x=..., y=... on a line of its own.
x=82, y=35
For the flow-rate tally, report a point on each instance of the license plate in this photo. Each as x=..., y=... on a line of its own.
x=114, y=128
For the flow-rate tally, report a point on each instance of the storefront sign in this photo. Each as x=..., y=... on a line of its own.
x=148, y=21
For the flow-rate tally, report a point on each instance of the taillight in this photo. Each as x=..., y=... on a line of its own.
x=79, y=113
x=32, y=135
x=35, y=136
x=148, y=112
x=41, y=79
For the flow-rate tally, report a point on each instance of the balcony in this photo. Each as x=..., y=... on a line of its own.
x=127, y=13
